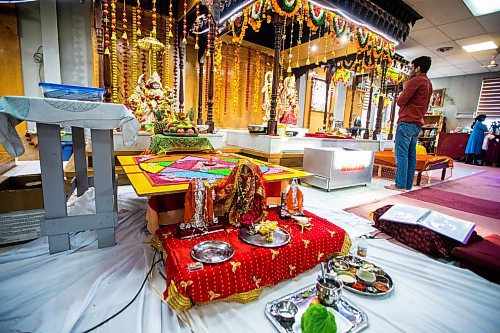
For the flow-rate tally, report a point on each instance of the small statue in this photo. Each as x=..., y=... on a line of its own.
x=292, y=201
x=288, y=110
x=198, y=208
x=267, y=91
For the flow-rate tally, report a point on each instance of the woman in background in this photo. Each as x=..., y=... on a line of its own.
x=475, y=143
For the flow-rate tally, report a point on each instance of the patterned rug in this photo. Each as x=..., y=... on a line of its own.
x=180, y=169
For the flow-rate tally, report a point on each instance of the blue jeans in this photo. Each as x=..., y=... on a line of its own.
x=406, y=154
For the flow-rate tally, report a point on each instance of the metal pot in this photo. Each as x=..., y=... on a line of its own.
x=329, y=290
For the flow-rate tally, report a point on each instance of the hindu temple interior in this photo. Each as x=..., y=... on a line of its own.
x=212, y=166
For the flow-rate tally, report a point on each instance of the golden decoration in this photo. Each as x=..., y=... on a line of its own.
x=256, y=281
x=235, y=83
x=256, y=85
x=306, y=242
x=178, y=301
x=135, y=58
x=235, y=265
x=274, y=254
x=292, y=269
x=320, y=255
x=213, y=295
x=184, y=284
x=332, y=233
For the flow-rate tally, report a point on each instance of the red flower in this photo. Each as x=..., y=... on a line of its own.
x=247, y=219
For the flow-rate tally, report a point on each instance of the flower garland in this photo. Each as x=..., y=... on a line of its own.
x=138, y=11
x=341, y=75
x=236, y=80
x=363, y=37
x=247, y=91
x=256, y=84
x=206, y=80
x=184, y=23
x=348, y=65
x=308, y=61
x=315, y=16
x=226, y=79
x=176, y=44
x=153, y=34
x=239, y=26
x=289, y=68
x=255, y=13
x=125, y=51
x=286, y=8
x=299, y=41
x=134, y=47
x=377, y=47
x=166, y=59
x=339, y=25
x=114, y=53
x=105, y=26
x=218, y=75
x=197, y=27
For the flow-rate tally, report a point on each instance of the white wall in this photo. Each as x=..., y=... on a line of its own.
x=75, y=46
x=464, y=90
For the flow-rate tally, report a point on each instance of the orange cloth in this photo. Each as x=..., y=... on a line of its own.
x=424, y=162
x=190, y=204
x=289, y=201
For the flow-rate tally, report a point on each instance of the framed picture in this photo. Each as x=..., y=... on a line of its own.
x=437, y=98
x=318, y=92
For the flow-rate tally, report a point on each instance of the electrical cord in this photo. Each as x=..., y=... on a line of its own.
x=133, y=299
x=38, y=59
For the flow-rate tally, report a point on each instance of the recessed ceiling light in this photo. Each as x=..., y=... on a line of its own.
x=314, y=48
x=489, y=45
x=483, y=7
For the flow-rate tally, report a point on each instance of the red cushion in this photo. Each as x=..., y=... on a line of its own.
x=482, y=257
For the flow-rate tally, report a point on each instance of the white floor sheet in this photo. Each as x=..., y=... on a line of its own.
x=74, y=290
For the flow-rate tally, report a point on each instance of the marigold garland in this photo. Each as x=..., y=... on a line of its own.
x=125, y=51
x=247, y=85
x=218, y=75
x=339, y=25
x=106, y=26
x=239, y=26
x=255, y=15
x=226, y=79
x=134, y=47
x=299, y=41
x=286, y=8
x=236, y=80
x=184, y=24
x=138, y=12
x=114, y=53
x=166, y=59
x=256, y=84
x=315, y=15
x=363, y=37
x=197, y=27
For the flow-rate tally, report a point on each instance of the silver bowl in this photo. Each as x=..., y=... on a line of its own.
x=286, y=310
x=329, y=290
x=212, y=252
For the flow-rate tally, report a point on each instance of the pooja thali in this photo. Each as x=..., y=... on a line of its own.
x=281, y=237
x=212, y=252
x=360, y=276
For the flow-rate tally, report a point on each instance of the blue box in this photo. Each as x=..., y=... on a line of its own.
x=67, y=150
x=77, y=93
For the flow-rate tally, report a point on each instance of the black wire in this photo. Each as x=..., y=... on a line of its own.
x=38, y=59
x=133, y=299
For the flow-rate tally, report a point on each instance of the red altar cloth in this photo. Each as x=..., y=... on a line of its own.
x=242, y=278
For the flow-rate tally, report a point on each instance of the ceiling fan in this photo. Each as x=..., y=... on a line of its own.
x=493, y=62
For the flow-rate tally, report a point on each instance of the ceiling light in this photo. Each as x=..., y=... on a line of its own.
x=314, y=48
x=343, y=39
x=482, y=7
x=489, y=45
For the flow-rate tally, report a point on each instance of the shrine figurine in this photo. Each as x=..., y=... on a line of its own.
x=242, y=194
x=267, y=91
x=288, y=109
x=199, y=217
x=292, y=201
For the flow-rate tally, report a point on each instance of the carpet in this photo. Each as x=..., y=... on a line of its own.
x=475, y=198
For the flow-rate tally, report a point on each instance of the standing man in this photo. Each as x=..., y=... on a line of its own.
x=413, y=103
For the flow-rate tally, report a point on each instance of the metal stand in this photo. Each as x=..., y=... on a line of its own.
x=58, y=224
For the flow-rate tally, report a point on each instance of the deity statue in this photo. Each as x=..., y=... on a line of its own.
x=152, y=104
x=288, y=109
x=267, y=91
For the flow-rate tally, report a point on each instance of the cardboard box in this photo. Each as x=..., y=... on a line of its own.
x=21, y=208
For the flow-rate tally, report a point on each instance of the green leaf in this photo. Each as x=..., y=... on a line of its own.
x=191, y=114
x=317, y=319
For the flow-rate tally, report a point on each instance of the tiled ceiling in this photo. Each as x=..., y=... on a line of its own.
x=450, y=23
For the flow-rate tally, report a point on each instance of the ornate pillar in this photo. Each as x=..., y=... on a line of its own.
x=366, y=135
x=329, y=73
x=272, y=124
x=393, y=112
x=199, y=120
x=210, y=92
x=107, y=78
x=378, y=122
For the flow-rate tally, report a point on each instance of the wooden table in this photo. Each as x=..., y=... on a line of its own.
x=143, y=187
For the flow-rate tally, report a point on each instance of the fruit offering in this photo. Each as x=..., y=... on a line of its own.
x=181, y=125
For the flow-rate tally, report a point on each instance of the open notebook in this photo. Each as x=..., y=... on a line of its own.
x=445, y=225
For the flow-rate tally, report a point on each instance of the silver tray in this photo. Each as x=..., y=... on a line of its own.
x=345, y=307
x=281, y=237
x=212, y=252
x=376, y=269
